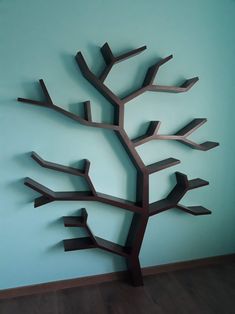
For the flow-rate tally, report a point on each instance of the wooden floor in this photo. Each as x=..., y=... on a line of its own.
x=201, y=291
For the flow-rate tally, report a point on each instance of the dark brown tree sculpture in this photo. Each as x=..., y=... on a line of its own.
x=141, y=208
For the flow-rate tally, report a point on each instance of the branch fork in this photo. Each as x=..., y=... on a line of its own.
x=48, y=196
x=91, y=241
x=110, y=59
x=180, y=136
x=148, y=85
x=48, y=103
x=183, y=185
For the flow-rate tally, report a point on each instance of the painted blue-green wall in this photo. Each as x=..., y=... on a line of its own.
x=38, y=39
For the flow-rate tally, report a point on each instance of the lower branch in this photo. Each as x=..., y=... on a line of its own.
x=48, y=196
x=183, y=185
x=91, y=241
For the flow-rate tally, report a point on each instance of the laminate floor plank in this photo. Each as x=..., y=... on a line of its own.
x=122, y=298
x=82, y=300
x=225, y=274
x=173, y=298
x=209, y=289
x=35, y=304
x=204, y=290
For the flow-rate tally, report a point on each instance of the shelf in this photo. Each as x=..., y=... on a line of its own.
x=163, y=164
x=76, y=221
x=111, y=60
x=194, y=210
x=70, y=221
x=183, y=185
x=91, y=241
x=180, y=136
x=78, y=244
x=57, y=167
x=197, y=183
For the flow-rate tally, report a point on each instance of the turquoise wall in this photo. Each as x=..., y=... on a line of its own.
x=38, y=39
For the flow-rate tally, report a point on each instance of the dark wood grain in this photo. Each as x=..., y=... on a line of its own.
x=110, y=59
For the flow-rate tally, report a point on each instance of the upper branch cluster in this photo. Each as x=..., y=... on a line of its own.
x=182, y=185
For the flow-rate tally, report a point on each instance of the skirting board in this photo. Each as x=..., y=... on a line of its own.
x=90, y=280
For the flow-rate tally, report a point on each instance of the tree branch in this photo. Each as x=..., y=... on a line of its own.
x=48, y=103
x=110, y=59
x=180, y=136
x=48, y=196
x=148, y=84
x=91, y=241
x=74, y=171
x=183, y=185
x=96, y=82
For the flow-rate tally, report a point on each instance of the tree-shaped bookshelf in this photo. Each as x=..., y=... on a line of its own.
x=141, y=208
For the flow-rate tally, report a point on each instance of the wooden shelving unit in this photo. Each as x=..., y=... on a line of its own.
x=141, y=208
